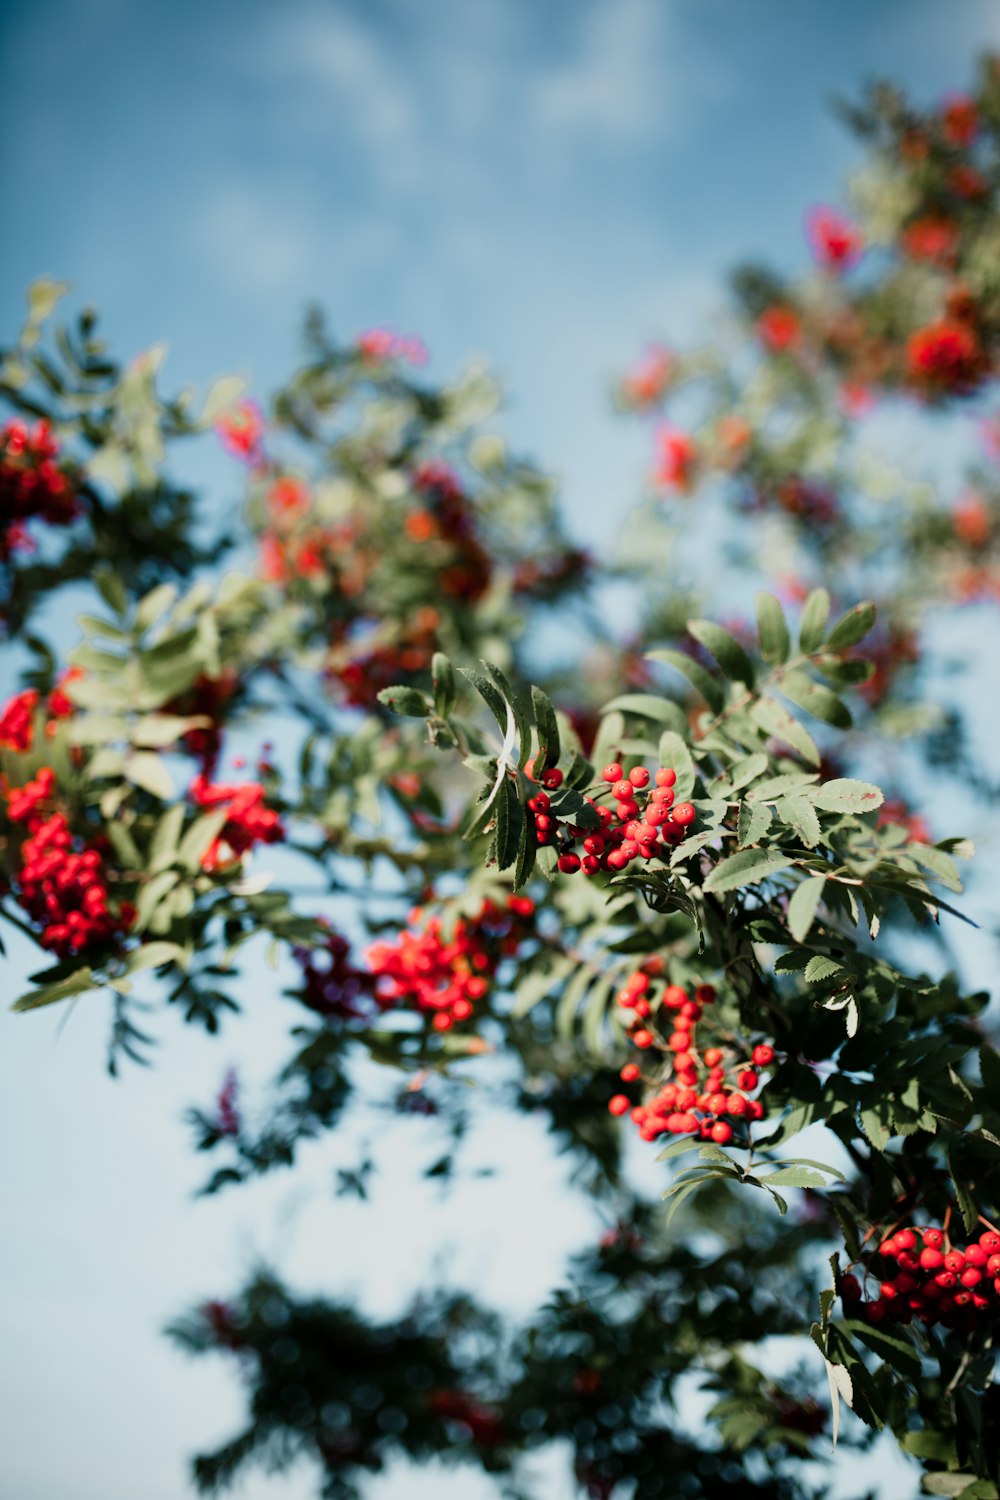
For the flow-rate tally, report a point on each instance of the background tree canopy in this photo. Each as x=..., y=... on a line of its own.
x=651, y=854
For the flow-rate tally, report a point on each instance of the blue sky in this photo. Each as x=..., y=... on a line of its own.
x=543, y=185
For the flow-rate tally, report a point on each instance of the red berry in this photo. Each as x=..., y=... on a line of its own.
x=639, y=776
x=618, y=1104
x=552, y=779
x=612, y=773
x=665, y=777
x=569, y=863
x=934, y=1238
x=642, y=1038
x=970, y=1277
x=747, y=1079
x=721, y=1132
x=931, y=1259
x=684, y=814
x=629, y=1073
x=763, y=1055
x=990, y=1241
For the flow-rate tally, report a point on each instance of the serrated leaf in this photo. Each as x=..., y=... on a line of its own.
x=749, y=867
x=772, y=630
x=163, y=844
x=696, y=675
x=801, y=816
x=152, y=955
x=443, y=684
x=815, y=613
x=820, y=967
x=154, y=605
x=773, y=717
x=726, y=649
x=646, y=706
x=753, y=823
x=803, y=905
x=845, y=795
x=795, y=1177
x=510, y=822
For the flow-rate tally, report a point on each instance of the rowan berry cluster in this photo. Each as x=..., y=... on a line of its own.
x=32, y=484
x=331, y=985
x=630, y=829
x=698, y=1093
x=248, y=821
x=445, y=976
x=930, y=1279
x=61, y=881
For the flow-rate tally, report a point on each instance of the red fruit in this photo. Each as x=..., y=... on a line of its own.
x=934, y=1238
x=674, y=997
x=955, y=1261
x=850, y=1289
x=763, y=1055
x=612, y=773
x=569, y=863
x=993, y=1265
x=552, y=779
x=906, y=1240
x=623, y=790
x=977, y=1255
x=618, y=1104
x=931, y=1259
x=705, y=994
x=629, y=1073
x=591, y=864
x=747, y=1079
x=684, y=814
x=441, y=1021
x=665, y=776
x=737, y=1105
x=639, y=776
x=721, y=1133
x=971, y=1277
x=990, y=1241
x=642, y=1038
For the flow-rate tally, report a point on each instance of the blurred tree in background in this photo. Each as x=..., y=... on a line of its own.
x=696, y=886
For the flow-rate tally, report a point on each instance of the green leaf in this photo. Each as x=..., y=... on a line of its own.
x=526, y=851
x=146, y=770
x=156, y=731
x=675, y=754
x=151, y=895
x=844, y=795
x=152, y=955
x=802, y=907
x=726, y=649
x=646, y=706
x=773, y=717
x=820, y=967
x=800, y=816
x=795, y=1177
x=815, y=614
x=163, y=844
x=772, y=630
x=406, y=701
x=510, y=822
x=815, y=699
x=154, y=605
x=49, y=994
x=491, y=695
x=443, y=683
x=198, y=837
x=749, y=867
x=703, y=681
x=754, y=821
x=547, y=728
x=852, y=627
x=112, y=590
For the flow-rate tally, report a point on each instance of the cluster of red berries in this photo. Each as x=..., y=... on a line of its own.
x=445, y=976
x=31, y=483
x=61, y=882
x=17, y=717
x=629, y=830
x=931, y=1280
x=331, y=985
x=707, y=1090
x=248, y=821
